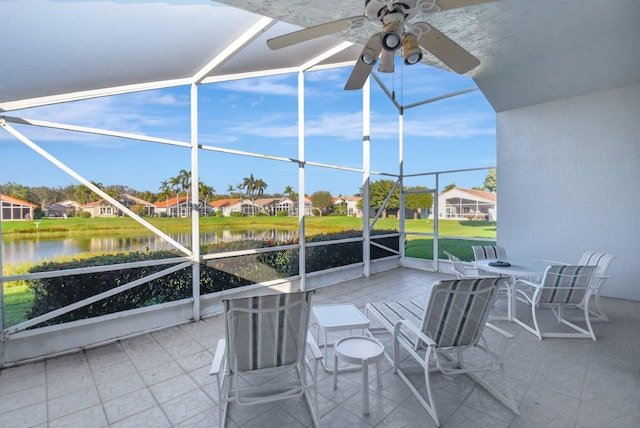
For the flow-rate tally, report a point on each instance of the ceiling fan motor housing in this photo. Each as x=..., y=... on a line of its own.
x=376, y=10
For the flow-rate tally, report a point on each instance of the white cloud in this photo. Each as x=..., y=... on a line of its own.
x=466, y=124
x=348, y=126
x=108, y=113
x=274, y=85
x=165, y=100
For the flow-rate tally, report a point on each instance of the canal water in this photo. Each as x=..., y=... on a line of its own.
x=35, y=250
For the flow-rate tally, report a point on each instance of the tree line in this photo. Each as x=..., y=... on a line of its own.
x=250, y=187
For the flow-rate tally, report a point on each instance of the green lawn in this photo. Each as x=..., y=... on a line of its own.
x=17, y=303
x=75, y=226
x=422, y=248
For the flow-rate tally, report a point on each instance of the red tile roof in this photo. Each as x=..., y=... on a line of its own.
x=7, y=198
x=171, y=202
x=477, y=193
x=225, y=202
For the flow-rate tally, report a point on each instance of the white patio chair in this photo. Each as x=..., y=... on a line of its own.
x=263, y=355
x=462, y=271
x=561, y=287
x=438, y=337
x=602, y=261
x=482, y=252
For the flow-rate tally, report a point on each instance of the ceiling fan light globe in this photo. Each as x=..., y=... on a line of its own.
x=413, y=58
x=368, y=58
x=390, y=41
x=392, y=36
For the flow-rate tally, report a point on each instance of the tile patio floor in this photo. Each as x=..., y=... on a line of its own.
x=162, y=379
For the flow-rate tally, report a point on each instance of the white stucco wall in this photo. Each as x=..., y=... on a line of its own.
x=568, y=181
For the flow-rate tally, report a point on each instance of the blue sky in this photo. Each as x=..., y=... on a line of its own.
x=260, y=116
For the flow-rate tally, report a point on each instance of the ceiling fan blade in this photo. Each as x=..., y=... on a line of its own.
x=448, y=51
x=358, y=76
x=311, y=33
x=386, y=62
x=455, y=4
x=362, y=70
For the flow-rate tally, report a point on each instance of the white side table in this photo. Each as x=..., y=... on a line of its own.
x=333, y=318
x=361, y=350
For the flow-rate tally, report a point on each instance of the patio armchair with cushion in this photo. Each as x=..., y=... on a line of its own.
x=562, y=287
x=437, y=336
x=263, y=357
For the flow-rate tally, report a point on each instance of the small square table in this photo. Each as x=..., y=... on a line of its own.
x=333, y=318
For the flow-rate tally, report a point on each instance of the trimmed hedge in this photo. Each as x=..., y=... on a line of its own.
x=215, y=275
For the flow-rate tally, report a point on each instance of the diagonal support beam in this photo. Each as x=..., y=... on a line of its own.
x=93, y=187
x=230, y=51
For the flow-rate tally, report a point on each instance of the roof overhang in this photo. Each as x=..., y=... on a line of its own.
x=530, y=51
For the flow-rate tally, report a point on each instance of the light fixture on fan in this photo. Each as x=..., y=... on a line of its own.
x=411, y=51
x=393, y=29
x=371, y=51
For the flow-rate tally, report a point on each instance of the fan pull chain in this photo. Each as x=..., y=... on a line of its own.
x=393, y=86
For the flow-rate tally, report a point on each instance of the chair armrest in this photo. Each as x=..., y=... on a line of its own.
x=421, y=336
x=313, y=347
x=218, y=357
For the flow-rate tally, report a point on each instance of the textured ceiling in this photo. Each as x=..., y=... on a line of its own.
x=531, y=51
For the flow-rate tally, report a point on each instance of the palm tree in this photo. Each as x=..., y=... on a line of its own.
x=291, y=194
x=184, y=180
x=205, y=192
x=248, y=183
x=260, y=186
x=165, y=189
x=175, y=186
x=293, y=197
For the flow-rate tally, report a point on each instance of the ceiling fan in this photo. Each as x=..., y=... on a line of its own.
x=400, y=28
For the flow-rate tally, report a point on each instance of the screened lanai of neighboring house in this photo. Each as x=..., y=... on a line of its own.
x=15, y=209
x=561, y=77
x=468, y=204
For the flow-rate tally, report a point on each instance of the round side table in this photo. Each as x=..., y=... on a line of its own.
x=360, y=350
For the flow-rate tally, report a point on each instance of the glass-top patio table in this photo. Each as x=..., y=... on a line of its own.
x=531, y=268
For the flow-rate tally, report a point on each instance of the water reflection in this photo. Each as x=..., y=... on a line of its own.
x=35, y=250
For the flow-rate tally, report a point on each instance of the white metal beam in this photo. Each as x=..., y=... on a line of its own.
x=94, y=93
x=95, y=131
x=324, y=55
x=302, y=269
x=366, y=176
x=233, y=48
x=195, y=204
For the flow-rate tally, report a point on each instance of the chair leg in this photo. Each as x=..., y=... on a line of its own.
x=312, y=408
x=430, y=405
x=505, y=398
x=582, y=333
x=223, y=398
x=535, y=321
x=599, y=312
x=535, y=331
